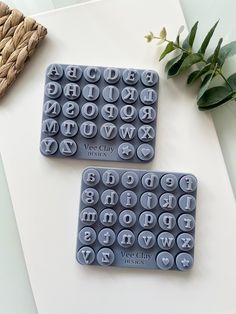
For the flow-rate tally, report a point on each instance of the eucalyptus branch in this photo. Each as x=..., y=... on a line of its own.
x=208, y=67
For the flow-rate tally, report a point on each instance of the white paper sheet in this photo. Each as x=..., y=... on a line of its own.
x=45, y=192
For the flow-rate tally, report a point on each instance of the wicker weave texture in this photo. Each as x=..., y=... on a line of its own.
x=19, y=37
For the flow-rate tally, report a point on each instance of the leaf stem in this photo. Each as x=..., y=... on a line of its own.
x=175, y=45
x=218, y=71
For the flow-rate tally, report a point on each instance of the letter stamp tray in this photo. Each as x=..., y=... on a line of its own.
x=137, y=218
x=99, y=113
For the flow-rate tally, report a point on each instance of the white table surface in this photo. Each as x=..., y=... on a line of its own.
x=48, y=231
x=15, y=290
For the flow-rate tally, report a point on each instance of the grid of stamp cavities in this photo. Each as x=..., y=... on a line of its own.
x=136, y=218
x=99, y=113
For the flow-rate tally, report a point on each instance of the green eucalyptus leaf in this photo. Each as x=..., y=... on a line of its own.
x=214, y=58
x=217, y=51
x=207, y=39
x=205, y=83
x=172, y=61
x=185, y=62
x=227, y=51
x=214, y=97
x=189, y=61
x=232, y=81
x=170, y=47
x=188, y=42
x=174, y=69
x=195, y=75
x=192, y=76
x=206, y=78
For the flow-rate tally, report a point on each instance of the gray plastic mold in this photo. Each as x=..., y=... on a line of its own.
x=137, y=218
x=99, y=113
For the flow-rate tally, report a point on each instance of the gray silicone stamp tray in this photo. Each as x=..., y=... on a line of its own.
x=99, y=113
x=136, y=218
